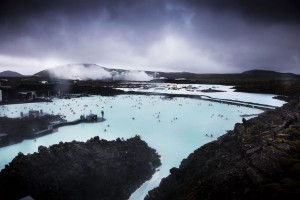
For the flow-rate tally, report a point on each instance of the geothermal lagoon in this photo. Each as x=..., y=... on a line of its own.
x=175, y=127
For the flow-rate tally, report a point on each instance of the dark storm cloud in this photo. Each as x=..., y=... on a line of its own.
x=275, y=10
x=265, y=10
x=193, y=35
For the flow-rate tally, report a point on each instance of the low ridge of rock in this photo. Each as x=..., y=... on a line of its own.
x=97, y=169
x=259, y=159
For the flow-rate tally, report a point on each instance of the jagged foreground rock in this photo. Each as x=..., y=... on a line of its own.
x=97, y=169
x=259, y=159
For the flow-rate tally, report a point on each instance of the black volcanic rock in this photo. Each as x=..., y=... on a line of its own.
x=97, y=169
x=209, y=90
x=259, y=159
x=10, y=74
x=18, y=129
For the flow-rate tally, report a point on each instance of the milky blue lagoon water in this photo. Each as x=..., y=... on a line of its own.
x=175, y=127
x=195, y=89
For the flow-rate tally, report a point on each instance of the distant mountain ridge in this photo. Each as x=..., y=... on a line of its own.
x=264, y=72
x=94, y=71
x=10, y=74
x=48, y=73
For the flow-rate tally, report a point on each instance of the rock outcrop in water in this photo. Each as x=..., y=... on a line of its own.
x=259, y=159
x=97, y=169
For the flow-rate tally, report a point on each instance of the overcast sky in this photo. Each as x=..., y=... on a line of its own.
x=202, y=36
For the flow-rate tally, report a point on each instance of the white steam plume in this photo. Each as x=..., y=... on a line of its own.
x=81, y=72
x=95, y=72
x=133, y=76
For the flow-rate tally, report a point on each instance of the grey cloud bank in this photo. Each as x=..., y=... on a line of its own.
x=197, y=36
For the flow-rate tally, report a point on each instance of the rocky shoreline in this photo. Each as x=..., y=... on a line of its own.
x=17, y=101
x=97, y=169
x=259, y=159
x=15, y=130
x=34, y=127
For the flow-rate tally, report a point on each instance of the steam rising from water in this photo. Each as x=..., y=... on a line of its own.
x=80, y=71
x=133, y=76
x=95, y=72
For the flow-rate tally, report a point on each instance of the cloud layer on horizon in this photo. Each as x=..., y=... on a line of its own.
x=216, y=36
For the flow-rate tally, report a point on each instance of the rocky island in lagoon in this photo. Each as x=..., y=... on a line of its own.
x=97, y=169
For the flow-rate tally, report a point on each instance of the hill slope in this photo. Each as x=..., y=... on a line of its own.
x=10, y=74
x=93, y=72
x=265, y=73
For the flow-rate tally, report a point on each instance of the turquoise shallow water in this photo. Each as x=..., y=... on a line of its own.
x=175, y=128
